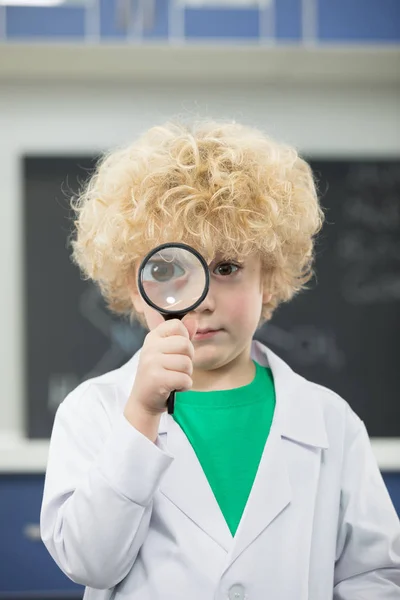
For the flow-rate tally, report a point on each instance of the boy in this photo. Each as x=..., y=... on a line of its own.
x=262, y=484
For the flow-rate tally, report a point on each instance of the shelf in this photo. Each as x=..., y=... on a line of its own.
x=211, y=63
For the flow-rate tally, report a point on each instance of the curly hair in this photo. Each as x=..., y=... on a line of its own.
x=219, y=187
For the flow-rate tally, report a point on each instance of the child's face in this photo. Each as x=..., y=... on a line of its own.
x=233, y=307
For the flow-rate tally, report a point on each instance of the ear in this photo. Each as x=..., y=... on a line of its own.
x=264, y=288
x=266, y=297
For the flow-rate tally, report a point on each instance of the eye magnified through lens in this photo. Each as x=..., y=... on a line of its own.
x=173, y=279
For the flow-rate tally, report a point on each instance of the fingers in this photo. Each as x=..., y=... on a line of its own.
x=181, y=382
x=177, y=344
x=178, y=363
x=172, y=327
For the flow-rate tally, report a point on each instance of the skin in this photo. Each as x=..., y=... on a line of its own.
x=233, y=304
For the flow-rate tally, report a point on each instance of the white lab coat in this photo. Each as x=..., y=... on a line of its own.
x=138, y=521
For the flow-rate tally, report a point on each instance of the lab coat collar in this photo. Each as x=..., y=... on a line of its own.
x=297, y=405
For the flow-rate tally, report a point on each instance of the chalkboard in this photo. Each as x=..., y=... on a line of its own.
x=344, y=332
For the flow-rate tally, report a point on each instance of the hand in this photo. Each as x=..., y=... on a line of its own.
x=165, y=364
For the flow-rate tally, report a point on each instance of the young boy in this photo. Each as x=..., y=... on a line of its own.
x=261, y=484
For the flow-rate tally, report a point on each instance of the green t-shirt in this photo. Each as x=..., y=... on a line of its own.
x=228, y=430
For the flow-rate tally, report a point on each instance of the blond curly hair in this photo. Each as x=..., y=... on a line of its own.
x=219, y=187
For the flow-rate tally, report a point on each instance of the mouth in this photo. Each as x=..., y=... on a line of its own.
x=202, y=334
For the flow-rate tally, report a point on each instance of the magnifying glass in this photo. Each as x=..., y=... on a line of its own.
x=173, y=279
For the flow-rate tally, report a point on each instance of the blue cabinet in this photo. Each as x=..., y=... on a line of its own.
x=281, y=21
x=288, y=20
x=25, y=564
x=211, y=23
x=115, y=26
x=392, y=481
x=359, y=20
x=39, y=22
x=328, y=21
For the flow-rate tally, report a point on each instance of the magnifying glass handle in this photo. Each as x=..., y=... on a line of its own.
x=171, y=397
x=171, y=403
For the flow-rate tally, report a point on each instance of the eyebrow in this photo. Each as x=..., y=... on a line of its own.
x=219, y=258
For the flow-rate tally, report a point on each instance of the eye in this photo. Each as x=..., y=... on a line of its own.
x=227, y=268
x=161, y=271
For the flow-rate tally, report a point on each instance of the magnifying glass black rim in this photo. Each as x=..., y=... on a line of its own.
x=184, y=247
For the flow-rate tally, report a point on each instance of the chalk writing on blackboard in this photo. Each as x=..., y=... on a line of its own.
x=368, y=247
x=369, y=173
x=124, y=339
x=371, y=266
x=307, y=345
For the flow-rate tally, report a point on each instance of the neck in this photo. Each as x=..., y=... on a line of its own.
x=237, y=373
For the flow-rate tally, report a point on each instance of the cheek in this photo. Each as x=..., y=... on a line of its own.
x=243, y=307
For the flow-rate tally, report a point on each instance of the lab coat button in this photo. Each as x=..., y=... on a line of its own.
x=236, y=592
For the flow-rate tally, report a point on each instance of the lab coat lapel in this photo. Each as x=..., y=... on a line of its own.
x=297, y=420
x=186, y=485
x=270, y=495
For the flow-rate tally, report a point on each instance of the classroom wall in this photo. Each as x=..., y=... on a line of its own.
x=60, y=117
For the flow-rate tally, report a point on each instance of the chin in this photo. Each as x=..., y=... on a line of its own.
x=207, y=363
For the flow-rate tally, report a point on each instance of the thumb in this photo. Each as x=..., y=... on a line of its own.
x=191, y=324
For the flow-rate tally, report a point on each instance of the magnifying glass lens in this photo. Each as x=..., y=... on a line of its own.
x=173, y=279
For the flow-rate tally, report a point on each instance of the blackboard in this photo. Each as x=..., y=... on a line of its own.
x=344, y=332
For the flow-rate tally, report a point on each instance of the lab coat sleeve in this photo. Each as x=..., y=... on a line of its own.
x=99, y=485
x=368, y=541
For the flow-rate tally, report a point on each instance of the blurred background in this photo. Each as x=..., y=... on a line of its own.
x=80, y=76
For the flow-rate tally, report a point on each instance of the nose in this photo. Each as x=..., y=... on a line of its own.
x=208, y=303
